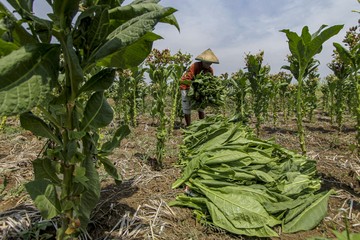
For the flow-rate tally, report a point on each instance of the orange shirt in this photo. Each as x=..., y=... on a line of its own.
x=190, y=74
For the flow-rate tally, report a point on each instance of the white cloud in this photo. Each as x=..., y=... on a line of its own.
x=232, y=28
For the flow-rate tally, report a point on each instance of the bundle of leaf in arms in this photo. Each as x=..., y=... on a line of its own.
x=206, y=91
x=246, y=185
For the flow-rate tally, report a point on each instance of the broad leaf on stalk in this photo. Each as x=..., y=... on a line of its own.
x=44, y=195
x=64, y=11
x=306, y=46
x=7, y=47
x=128, y=33
x=37, y=126
x=346, y=55
x=132, y=55
x=119, y=135
x=44, y=168
x=125, y=13
x=16, y=33
x=111, y=169
x=91, y=28
x=27, y=76
x=101, y=81
x=98, y=113
x=91, y=196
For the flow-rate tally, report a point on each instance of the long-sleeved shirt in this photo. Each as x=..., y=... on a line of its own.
x=195, y=69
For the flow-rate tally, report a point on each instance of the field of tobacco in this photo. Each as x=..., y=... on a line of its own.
x=146, y=205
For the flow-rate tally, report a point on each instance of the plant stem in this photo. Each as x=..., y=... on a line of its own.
x=299, y=115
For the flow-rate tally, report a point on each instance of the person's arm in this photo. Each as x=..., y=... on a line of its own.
x=190, y=73
x=189, y=76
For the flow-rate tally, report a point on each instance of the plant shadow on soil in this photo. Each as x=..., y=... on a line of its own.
x=111, y=206
x=336, y=166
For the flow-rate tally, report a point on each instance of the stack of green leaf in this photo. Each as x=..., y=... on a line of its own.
x=206, y=91
x=246, y=185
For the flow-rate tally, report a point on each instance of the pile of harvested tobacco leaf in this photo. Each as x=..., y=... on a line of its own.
x=246, y=185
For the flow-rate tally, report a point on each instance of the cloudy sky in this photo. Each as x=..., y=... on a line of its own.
x=232, y=28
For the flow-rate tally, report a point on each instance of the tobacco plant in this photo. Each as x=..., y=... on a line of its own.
x=331, y=82
x=324, y=96
x=351, y=56
x=260, y=86
x=341, y=70
x=159, y=72
x=279, y=83
x=238, y=87
x=61, y=66
x=303, y=48
x=310, y=88
x=285, y=94
x=180, y=62
x=127, y=94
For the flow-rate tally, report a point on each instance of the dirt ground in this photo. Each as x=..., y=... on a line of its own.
x=138, y=207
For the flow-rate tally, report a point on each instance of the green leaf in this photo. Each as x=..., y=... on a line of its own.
x=122, y=132
x=37, y=126
x=311, y=216
x=296, y=186
x=190, y=168
x=316, y=43
x=98, y=28
x=7, y=47
x=220, y=219
x=44, y=195
x=128, y=33
x=44, y=168
x=244, y=211
x=111, y=169
x=101, y=81
x=26, y=77
x=344, y=235
x=344, y=54
x=90, y=197
x=65, y=10
x=98, y=113
x=75, y=76
x=19, y=35
x=125, y=13
x=19, y=5
x=80, y=177
x=132, y=55
x=293, y=40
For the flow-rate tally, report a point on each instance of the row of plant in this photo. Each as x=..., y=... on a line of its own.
x=257, y=93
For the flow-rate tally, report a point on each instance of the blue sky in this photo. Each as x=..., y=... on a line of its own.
x=232, y=28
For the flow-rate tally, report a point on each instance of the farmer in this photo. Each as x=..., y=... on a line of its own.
x=205, y=59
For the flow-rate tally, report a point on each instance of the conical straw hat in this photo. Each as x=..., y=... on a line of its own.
x=207, y=56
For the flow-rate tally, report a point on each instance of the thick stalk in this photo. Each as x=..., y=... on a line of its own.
x=68, y=169
x=357, y=85
x=174, y=107
x=299, y=115
x=134, y=105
